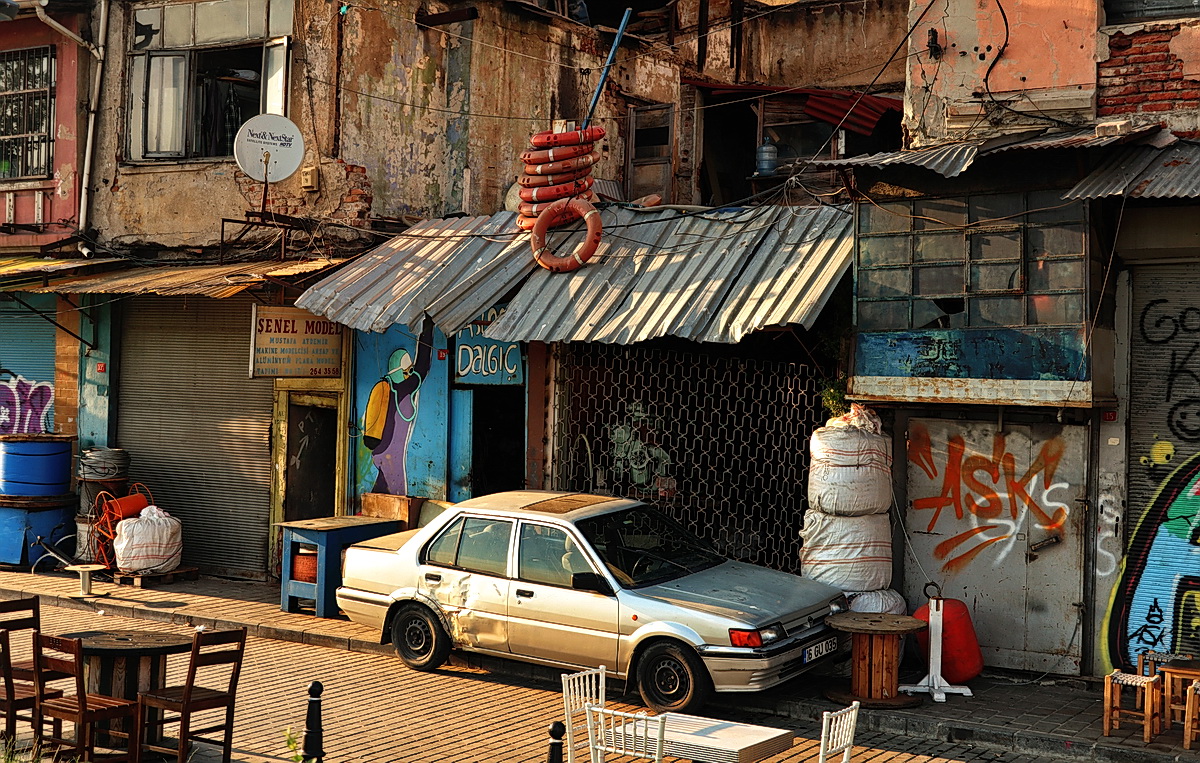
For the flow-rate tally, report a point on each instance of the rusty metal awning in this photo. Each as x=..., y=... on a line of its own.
x=32, y=265
x=1145, y=172
x=712, y=277
x=217, y=281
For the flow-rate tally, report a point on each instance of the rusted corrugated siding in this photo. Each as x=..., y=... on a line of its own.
x=218, y=281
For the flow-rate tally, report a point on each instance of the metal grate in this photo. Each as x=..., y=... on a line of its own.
x=721, y=444
x=26, y=112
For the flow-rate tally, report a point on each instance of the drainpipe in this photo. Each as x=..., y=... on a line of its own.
x=38, y=7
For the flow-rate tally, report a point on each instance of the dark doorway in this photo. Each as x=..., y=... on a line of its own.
x=311, y=461
x=498, y=460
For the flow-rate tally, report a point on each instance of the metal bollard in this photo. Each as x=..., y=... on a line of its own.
x=313, y=733
x=557, y=732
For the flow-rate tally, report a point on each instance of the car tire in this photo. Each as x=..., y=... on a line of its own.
x=419, y=638
x=671, y=678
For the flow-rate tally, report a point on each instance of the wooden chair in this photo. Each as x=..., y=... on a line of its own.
x=85, y=711
x=837, y=734
x=1149, y=715
x=209, y=649
x=636, y=735
x=1148, y=662
x=580, y=690
x=24, y=615
x=16, y=696
x=1191, y=721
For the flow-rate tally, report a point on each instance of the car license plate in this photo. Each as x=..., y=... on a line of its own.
x=817, y=651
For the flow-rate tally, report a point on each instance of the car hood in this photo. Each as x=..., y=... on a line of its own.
x=744, y=592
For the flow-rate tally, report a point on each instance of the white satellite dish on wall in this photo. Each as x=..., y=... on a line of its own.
x=269, y=147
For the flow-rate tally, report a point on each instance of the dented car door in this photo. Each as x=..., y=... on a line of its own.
x=465, y=570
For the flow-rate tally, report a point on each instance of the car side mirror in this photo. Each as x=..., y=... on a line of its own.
x=591, y=581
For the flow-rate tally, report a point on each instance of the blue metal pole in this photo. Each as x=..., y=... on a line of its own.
x=612, y=53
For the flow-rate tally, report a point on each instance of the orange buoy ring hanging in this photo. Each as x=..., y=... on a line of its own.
x=535, y=181
x=551, y=139
x=556, y=192
x=552, y=215
x=566, y=165
x=533, y=210
x=556, y=154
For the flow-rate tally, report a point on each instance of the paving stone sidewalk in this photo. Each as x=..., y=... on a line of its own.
x=1059, y=718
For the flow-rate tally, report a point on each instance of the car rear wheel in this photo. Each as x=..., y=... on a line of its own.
x=419, y=638
x=671, y=678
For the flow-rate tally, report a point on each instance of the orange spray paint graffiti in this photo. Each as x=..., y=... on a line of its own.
x=986, y=492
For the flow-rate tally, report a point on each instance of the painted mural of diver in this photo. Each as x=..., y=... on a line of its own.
x=391, y=413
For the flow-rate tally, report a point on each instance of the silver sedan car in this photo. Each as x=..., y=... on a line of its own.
x=577, y=581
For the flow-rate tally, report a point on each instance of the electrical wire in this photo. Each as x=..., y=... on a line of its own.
x=988, y=73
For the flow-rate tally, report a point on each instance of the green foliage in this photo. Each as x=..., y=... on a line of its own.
x=833, y=396
x=292, y=740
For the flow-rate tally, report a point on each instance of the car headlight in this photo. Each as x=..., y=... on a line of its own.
x=759, y=637
x=839, y=605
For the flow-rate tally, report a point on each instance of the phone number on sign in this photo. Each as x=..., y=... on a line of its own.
x=326, y=371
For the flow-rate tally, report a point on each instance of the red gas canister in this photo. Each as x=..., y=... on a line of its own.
x=961, y=658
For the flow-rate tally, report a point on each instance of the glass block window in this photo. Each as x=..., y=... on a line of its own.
x=1014, y=259
x=26, y=112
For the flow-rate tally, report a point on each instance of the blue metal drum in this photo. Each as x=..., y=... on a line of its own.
x=35, y=465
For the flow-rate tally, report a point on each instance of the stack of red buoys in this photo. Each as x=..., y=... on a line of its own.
x=558, y=166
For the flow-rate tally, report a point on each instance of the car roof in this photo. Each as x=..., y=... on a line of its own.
x=541, y=502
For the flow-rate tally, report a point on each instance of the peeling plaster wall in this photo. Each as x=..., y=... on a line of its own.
x=1047, y=66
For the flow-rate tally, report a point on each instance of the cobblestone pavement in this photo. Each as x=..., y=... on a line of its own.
x=375, y=709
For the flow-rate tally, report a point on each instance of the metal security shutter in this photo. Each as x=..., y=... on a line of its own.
x=197, y=428
x=1156, y=602
x=27, y=350
x=1118, y=11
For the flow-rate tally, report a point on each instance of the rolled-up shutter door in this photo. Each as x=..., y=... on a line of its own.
x=197, y=429
x=27, y=351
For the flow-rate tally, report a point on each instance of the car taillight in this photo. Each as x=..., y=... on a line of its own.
x=745, y=638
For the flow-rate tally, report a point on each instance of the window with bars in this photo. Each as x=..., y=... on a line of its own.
x=1015, y=259
x=26, y=112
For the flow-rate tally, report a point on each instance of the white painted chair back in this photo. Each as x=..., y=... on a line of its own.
x=837, y=734
x=580, y=690
x=635, y=735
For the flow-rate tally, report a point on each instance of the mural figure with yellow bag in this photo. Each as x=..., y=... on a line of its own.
x=391, y=413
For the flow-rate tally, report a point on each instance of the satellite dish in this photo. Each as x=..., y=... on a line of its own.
x=268, y=147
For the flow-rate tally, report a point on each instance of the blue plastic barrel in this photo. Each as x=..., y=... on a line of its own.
x=35, y=464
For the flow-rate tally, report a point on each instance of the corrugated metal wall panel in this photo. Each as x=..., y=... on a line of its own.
x=197, y=428
x=27, y=350
x=1156, y=604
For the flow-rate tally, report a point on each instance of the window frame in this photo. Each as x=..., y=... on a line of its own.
x=461, y=522
x=50, y=53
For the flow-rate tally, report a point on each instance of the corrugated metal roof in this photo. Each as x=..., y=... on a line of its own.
x=15, y=266
x=1144, y=172
x=216, y=281
x=713, y=277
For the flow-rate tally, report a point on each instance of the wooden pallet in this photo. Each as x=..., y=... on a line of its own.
x=147, y=579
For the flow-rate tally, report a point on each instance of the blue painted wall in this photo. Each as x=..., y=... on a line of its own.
x=27, y=366
x=95, y=385
x=1026, y=353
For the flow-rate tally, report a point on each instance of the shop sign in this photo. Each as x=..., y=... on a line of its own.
x=289, y=341
x=479, y=360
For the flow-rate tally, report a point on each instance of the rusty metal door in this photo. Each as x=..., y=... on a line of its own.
x=997, y=516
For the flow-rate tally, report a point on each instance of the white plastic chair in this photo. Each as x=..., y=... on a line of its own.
x=837, y=733
x=580, y=690
x=635, y=735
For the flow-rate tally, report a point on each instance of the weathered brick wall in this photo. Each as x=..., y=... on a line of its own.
x=1143, y=80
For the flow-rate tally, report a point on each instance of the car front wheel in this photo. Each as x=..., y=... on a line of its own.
x=419, y=638
x=672, y=678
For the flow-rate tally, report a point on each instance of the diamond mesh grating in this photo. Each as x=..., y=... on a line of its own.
x=721, y=444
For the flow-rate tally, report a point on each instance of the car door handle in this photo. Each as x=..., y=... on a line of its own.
x=524, y=594
x=432, y=578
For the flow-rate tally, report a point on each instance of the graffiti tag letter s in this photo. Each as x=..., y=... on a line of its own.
x=25, y=406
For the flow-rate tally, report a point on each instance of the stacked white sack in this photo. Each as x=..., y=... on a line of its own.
x=850, y=473
x=850, y=553
x=886, y=601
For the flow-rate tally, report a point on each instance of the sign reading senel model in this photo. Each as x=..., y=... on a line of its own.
x=289, y=341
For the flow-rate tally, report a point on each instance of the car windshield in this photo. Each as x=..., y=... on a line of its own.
x=641, y=546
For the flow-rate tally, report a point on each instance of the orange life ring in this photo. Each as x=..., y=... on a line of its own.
x=542, y=254
x=526, y=222
x=566, y=165
x=556, y=154
x=533, y=210
x=536, y=181
x=550, y=139
x=555, y=192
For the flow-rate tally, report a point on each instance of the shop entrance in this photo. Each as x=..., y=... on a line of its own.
x=311, y=481
x=498, y=439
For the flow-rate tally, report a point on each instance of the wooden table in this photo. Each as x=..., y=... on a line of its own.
x=875, y=658
x=330, y=535
x=1176, y=677
x=708, y=740
x=121, y=663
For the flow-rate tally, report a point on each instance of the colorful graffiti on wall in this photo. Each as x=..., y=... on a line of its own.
x=391, y=413
x=991, y=496
x=24, y=404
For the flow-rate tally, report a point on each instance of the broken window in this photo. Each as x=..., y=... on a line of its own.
x=988, y=260
x=198, y=71
x=26, y=111
x=649, y=151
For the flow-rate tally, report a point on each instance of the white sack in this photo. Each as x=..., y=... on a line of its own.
x=851, y=447
x=885, y=601
x=149, y=542
x=849, y=490
x=859, y=417
x=850, y=553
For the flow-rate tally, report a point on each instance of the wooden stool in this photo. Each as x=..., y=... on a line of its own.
x=1191, y=724
x=1176, y=677
x=1150, y=715
x=1148, y=663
